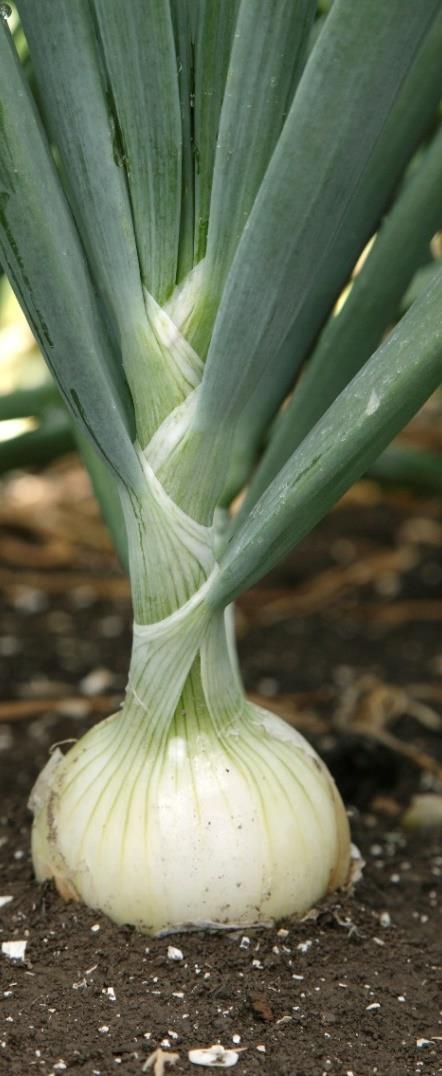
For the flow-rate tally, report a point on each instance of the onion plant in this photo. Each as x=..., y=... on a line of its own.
x=185, y=188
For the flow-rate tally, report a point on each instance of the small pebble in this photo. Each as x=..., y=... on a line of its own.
x=268, y=686
x=96, y=682
x=376, y=850
x=9, y=646
x=82, y=597
x=30, y=600
x=15, y=950
x=424, y=812
x=304, y=946
x=174, y=954
x=6, y=738
x=111, y=626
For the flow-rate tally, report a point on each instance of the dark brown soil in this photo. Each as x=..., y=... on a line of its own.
x=343, y=640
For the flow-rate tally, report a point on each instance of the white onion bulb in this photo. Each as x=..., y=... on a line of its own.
x=219, y=815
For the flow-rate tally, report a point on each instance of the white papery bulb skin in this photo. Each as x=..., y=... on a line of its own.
x=196, y=828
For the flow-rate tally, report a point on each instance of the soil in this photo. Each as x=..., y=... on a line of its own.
x=342, y=640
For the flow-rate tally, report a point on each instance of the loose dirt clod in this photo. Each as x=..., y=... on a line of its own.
x=261, y=1007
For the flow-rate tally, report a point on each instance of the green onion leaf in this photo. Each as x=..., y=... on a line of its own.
x=41, y=252
x=351, y=336
x=140, y=59
x=357, y=427
x=332, y=171
x=82, y=124
x=184, y=18
x=268, y=55
x=216, y=25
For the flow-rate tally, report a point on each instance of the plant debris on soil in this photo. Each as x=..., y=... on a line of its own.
x=342, y=640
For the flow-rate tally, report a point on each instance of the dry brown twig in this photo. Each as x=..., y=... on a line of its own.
x=369, y=705
x=328, y=585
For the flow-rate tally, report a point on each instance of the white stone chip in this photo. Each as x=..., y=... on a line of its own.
x=5, y=900
x=174, y=954
x=357, y=864
x=15, y=950
x=304, y=946
x=215, y=1057
x=96, y=682
x=422, y=1043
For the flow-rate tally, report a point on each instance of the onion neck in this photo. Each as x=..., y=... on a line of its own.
x=184, y=671
x=184, y=685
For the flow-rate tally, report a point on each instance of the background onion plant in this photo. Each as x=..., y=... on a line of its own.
x=185, y=189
